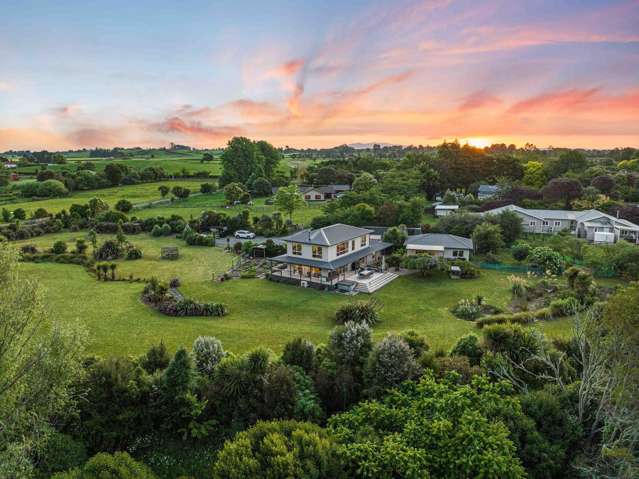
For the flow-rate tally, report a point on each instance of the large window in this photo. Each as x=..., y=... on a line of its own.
x=363, y=241
x=318, y=197
x=353, y=245
x=297, y=249
x=342, y=248
x=458, y=253
x=557, y=223
x=318, y=252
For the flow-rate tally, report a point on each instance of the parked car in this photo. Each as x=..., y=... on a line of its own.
x=243, y=234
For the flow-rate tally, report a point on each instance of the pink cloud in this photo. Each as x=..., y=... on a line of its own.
x=195, y=128
x=479, y=99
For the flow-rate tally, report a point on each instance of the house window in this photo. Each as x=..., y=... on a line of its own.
x=363, y=241
x=316, y=272
x=342, y=248
x=298, y=270
x=532, y=223
x=544, y=223
x=317, y=251
x=307, y=197
x=557, y=223
x=297, y=249
x=353, y=245
x=318, y=197
x=458, y=253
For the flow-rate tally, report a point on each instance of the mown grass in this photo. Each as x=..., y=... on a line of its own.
x=194, y=206
x=262, y=313
x=141, y=193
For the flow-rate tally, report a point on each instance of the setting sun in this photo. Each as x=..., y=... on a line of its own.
x=479, y=142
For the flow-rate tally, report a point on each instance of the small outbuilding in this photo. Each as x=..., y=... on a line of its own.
x=436, y=244
x=445, y=210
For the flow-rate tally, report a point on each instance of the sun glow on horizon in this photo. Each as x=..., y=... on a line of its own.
x=478, y=142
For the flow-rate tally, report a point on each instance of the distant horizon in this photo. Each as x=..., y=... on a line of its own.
x=410, y=72
x=355, y=145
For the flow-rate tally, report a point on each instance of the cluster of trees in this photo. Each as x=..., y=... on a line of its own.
x=252, y=164
x=507, y=404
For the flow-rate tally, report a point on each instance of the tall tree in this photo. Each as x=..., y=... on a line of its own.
x=288, y=199
x=562, y=189
x=239, y=161
x=39, y=359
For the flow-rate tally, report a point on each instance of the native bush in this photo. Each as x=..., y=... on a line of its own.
x=133, y=253
x=520, y=251
x=117, y=466
x=300, y=352
x=351, y=343
x=390, y=363
x=279, y=449
x=547, y=259
x=109, y=250
x=208, y=352
x=60, y=452
x=470, y=347
x=564, y=307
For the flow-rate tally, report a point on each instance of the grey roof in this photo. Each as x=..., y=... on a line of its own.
x=332, y=189
x=568, y=215
x=373, y=247
x=437, y=239
x=329, y=235
x=489, y=189
x=446, y=207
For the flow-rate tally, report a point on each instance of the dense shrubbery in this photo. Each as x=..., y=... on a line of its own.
x=157, y=295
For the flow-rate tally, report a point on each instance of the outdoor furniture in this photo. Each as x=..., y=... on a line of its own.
x=365, y=273
x=346, y=286
x=169, y=252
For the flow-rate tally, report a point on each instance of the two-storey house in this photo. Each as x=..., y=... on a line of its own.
x=327, y=255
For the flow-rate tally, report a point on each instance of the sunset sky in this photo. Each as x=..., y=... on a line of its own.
x=77, y=74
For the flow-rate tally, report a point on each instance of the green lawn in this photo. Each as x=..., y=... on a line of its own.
x=172, y=162
x=141, y=193
x=261, y=312
x=194, y=206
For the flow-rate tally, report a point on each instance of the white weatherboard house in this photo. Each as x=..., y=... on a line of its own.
x=591, y=225
x=445, y=210
x=445, y=245
x=326, y=256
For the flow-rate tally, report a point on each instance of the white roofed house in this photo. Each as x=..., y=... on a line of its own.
x=445, y=210
x=445, y=245
x=321, y=193
x=324, y=257
x=591, y=225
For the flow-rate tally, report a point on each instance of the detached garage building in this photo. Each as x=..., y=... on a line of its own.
x=448, y=246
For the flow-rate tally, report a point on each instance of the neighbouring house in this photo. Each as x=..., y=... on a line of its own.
x=435, y=244
x=445, y=210
x=591, y=225
x=325, y=257
x=10, y=165
x=487, y=191
x=320, y=193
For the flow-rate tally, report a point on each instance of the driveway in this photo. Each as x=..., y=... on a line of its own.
x=221, y=242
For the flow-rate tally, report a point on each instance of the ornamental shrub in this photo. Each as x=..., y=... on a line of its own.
x=117, y=466
x=359, y=312
x=59, y=247
x=466, y=309
x=133, y=253
x=520, y=251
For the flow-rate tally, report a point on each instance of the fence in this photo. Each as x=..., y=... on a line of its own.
x=511, y=268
